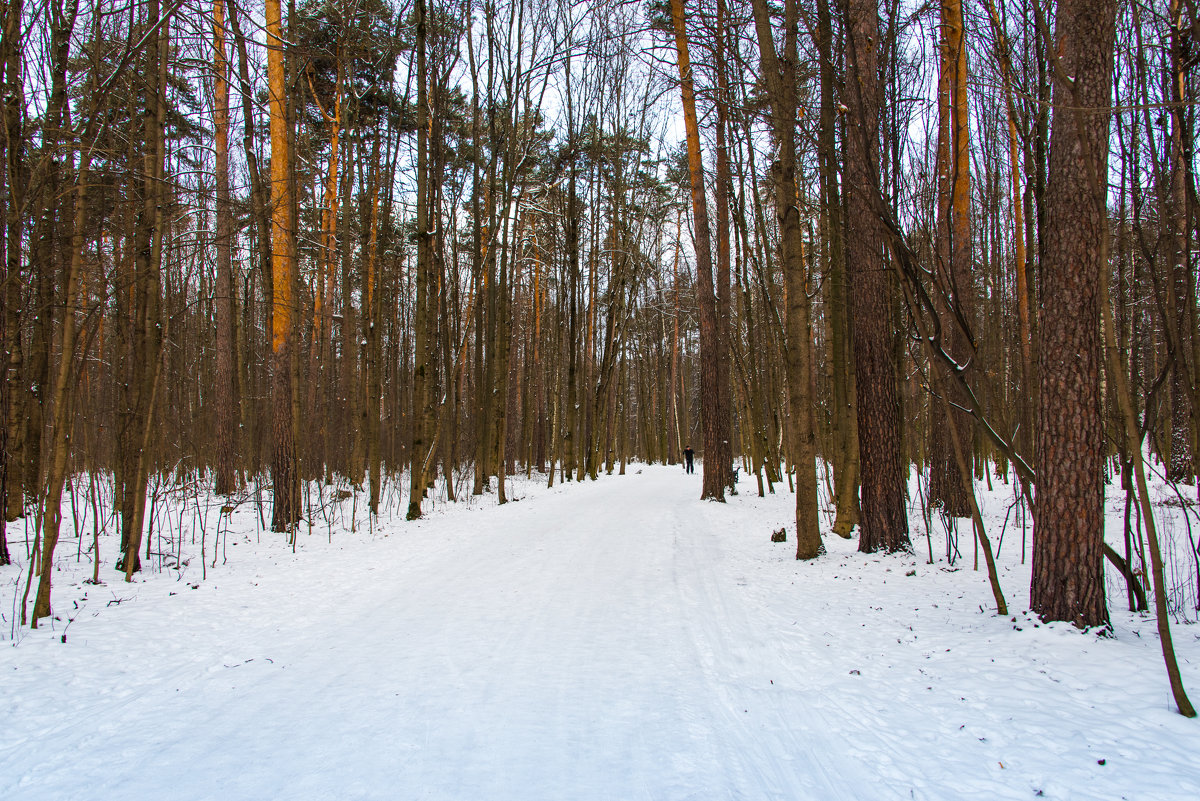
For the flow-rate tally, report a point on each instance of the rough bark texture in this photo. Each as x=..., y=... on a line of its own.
x=884, y=524
x=1068, y=570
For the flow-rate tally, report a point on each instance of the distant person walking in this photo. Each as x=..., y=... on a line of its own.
x=689, y=457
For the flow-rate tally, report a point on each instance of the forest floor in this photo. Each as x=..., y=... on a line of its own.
x=611, y=640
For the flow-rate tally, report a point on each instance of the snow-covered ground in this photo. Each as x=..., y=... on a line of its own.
x=611, y=640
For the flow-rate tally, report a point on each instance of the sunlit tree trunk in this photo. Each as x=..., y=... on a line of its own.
x=284, y=478
x=952, y=274
x=714, y=474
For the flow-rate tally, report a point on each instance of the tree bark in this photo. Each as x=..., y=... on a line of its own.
x=884, y=524
x=952, y=263
x=146, y=346
x=286, y=511
x=226, y=414
x=782, y=90
x=11, y=495
x=1068, y=569
x=421, y=410
x=713, y=479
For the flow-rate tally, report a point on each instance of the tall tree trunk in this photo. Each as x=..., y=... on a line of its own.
x=844, y=415
x=224, y=391
x=64, y=400
x=146, y=345
x=477, y=267
x=721, y=192
x=1180, y=291
x=13, y=110
x=884, y=524
x=782, y=90
x=952, y=273
x=1068, y=569
x=421, y=411
x=502, y=347
x=48, y=176
x=351, y=466
x=286, y=512
x=372, y=323
x=1024, y=325
x=678, y=434
x=713, y=480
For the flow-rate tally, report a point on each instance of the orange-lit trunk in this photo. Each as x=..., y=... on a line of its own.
x=283, y=461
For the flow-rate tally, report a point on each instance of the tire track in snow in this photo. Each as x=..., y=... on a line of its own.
x=769, y=754
x=560, y=610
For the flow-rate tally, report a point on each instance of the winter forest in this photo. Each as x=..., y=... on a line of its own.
x=916, y=282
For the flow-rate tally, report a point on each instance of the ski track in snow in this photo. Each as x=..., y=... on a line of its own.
x=609, y=640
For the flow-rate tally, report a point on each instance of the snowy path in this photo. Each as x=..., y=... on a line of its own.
x=614, y=640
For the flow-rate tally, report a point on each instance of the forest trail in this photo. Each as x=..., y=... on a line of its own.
x=563, y=647
x=612, y=640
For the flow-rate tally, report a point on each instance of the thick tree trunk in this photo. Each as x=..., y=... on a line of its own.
x=1068, y=569
x=884, y=524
